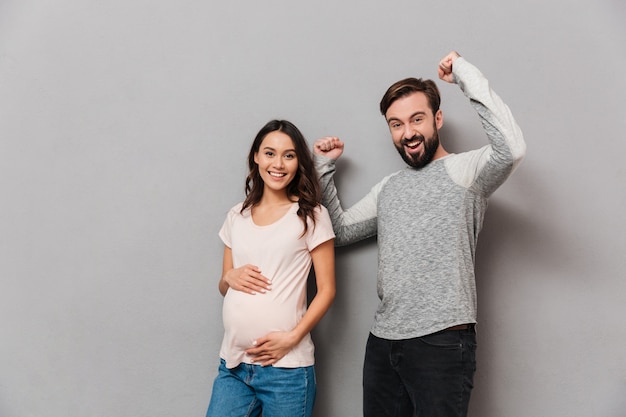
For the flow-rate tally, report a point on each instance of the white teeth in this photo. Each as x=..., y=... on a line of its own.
x=277, y=174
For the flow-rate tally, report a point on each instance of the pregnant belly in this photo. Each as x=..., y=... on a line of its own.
x=248, y=317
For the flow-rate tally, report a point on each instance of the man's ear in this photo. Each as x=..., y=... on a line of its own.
x=439, y=119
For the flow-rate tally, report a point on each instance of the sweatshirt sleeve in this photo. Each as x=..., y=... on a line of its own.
x=487, y=168
x=356, y=223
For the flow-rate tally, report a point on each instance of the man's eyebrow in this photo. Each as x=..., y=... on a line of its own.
x=417, y=113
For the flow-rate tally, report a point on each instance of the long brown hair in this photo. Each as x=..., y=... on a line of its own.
x=304, y=187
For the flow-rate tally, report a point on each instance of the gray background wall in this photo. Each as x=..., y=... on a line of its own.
x=124, y=127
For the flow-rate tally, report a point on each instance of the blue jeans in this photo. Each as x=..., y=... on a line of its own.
x=249, y=390
x=429, y=376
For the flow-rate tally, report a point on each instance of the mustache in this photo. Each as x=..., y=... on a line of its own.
x=420, y=138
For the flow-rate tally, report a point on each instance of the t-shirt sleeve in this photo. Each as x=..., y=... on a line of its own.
x=322, y=231
x=226, y=230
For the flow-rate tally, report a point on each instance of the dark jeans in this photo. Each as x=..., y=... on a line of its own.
x=429, y=376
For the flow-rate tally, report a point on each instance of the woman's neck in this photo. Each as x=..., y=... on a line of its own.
x=271, y=198
x=271, y=208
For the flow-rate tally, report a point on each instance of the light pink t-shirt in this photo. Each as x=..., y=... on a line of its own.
x=282, y=256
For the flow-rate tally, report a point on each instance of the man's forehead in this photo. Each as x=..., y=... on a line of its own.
x=409, y=105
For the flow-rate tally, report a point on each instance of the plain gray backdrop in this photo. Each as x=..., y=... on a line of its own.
x=124, y=129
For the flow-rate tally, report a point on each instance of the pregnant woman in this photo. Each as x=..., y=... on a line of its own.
x=270, y=242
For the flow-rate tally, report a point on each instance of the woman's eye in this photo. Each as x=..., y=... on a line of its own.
x=290, y=156
x=268, y=153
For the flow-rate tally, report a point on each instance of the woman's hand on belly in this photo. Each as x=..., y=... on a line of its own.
x=272, y=347
x=247, y=279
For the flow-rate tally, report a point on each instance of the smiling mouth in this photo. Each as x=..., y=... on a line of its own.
x=277, y=174
x=412, y=143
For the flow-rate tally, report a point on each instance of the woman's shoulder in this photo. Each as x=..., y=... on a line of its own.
x=320, y=209
x=320, y=212
x=236, y=210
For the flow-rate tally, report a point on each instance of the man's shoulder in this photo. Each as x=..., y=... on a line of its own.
x=467, y=156
x=394, y=175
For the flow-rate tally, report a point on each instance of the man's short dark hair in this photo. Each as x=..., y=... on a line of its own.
x=409, y=86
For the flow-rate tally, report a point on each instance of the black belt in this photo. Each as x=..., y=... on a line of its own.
x=467, y=326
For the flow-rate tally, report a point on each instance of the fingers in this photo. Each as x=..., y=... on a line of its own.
x=248, y=279
x=265, y=360
x=445, y=66
x=446, y=63
x=328, y=143
x=267, y=351
x=329, y=146
x=256, y=282
x=262, y=354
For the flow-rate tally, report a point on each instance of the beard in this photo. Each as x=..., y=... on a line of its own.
x=422, y=159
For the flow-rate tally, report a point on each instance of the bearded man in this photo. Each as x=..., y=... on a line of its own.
x=420, y=354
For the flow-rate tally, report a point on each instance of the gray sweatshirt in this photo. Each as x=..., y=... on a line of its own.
x=427, y=221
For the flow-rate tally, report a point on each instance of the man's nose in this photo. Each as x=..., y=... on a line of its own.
x=409, y=132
